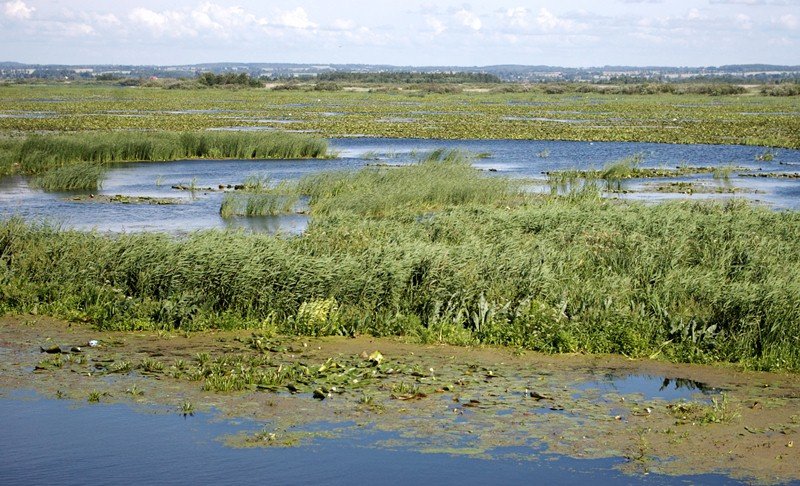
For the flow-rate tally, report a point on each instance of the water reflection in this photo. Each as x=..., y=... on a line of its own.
x=57, y=442
x=648, y=386
x=683, y=383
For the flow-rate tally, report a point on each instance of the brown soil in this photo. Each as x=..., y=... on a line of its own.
x=435, y=397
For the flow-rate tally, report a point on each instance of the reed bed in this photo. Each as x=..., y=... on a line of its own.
x=260, y=199
x=695, y=282
x=442, y=178
x=82, y=176
x=38, y=154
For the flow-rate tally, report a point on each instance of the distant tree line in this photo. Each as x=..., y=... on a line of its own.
x=227, y=79
x=409, y=77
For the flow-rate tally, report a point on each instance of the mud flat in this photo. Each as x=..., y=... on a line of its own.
x=480, y=402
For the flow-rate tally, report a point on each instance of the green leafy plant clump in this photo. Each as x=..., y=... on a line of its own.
x=80, y=159
x=82, y=176
x=258, y=198
x=438, y=251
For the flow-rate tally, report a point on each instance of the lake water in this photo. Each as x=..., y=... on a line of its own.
x=60, y=442
x=512, y=158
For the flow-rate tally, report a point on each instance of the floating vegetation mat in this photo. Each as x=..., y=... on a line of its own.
x=480, y=402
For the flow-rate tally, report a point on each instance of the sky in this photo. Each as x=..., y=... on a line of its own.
x=580, y=33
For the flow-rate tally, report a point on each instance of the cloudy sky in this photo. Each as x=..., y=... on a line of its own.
x=402, y=32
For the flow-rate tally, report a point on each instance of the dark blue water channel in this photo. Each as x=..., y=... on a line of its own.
x=60, y=442
x=512, y=158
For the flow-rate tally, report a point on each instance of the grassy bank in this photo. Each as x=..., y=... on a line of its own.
x=440, y=252
x=77, y=161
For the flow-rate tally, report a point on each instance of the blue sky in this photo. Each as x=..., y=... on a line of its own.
x=564, y=33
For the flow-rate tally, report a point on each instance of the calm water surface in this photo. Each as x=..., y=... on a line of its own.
x=512, y=158
x=61, y=442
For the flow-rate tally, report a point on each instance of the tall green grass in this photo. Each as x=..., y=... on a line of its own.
x=38, y=154
x=83, y=176
x=260, y=199
x=615, y=173
x=697, y=282
x=443, y=178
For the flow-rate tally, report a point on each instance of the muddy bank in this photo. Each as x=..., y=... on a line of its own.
x=661, y=417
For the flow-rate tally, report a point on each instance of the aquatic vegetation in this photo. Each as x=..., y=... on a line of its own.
x=574, y=181
x=766, y=156
x=120, y=367
x=510, y=112
x=40, y=154
x=87, y=176
x=724, y=172
x=440, y=252
x=187, y=409
x=257, y=198
x=150, y=365
x=616, y=172
x=443, y=178
x=719, y=411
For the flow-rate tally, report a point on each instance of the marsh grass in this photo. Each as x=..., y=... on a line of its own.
x=37, y=154
x=442, y=178
x=259, y=199
x=615, y=173
x=82, y=176
x=441, y=252
x=723, y=173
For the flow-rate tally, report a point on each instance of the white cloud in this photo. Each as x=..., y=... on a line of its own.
x=104, y=20
x=548, y=21
x=780, y=42
x=754, y=2
x=168, y=22
x=744, y=21
x=208, y=19
x=344, y=24
x=469, y=19
x=295, y=19
x=75, y=29
x=789, y=21
x=18, y=10
x=435, y=24
x=224, y=21
x=517, y=17
x=694, y=14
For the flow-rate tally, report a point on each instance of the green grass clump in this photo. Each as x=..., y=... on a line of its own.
x=83, y=176
x=259, y=199
x=616, y=172
x=441, y=252
x=444, y=178
x=38, y=154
